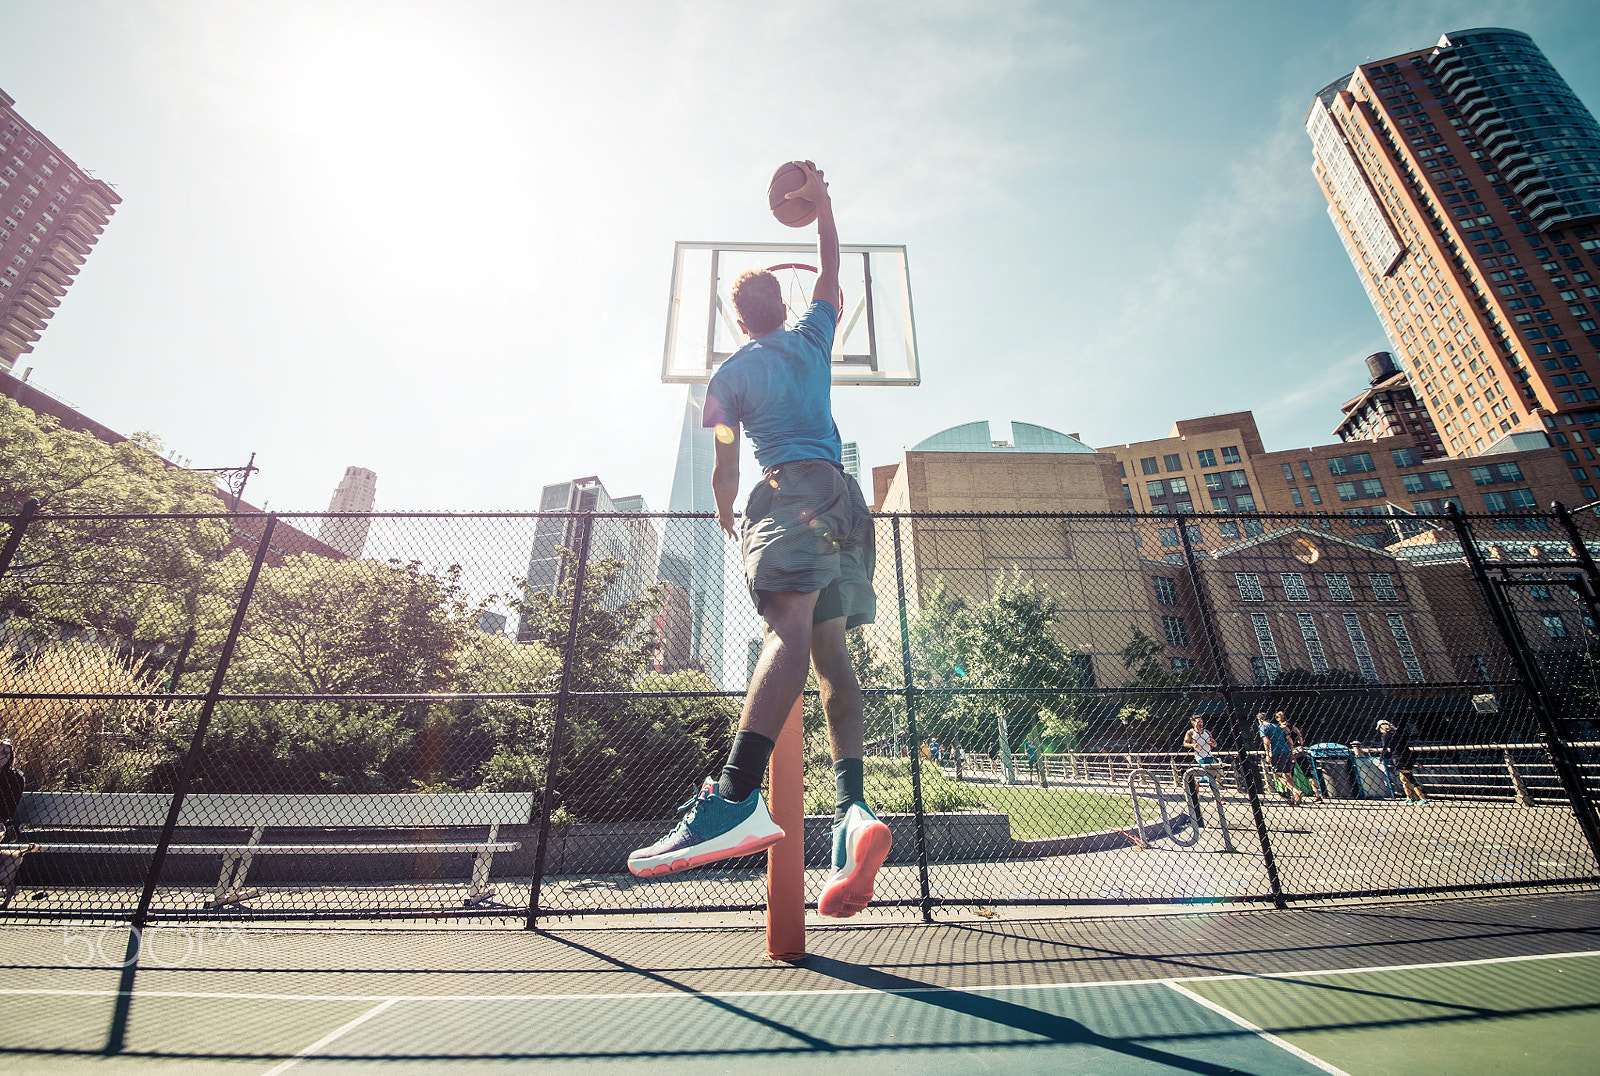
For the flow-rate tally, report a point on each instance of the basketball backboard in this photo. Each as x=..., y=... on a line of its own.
x=876, y=341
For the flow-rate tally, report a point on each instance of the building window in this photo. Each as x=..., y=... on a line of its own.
x=1219, y=504
x=1156, y=488
x=1249, y=584
x=1294, y=495
x=1230, y=454
x=1538, y=591
x=1346, y=491
x=1512, y=500
x=1238, y=480
x=1339, y=587
x=1404, y=457
x=1150, y=465
x=1372, y=487
x=1083, y=669
x=1177, y=634
x=1178, y=485
x=1181, y=664
x=1358, y=645
x=1294, y=586
x=1127, y=494
x=1172, y=558
x=1441, y=480
x=1244, y=502
x=1288, y=474
x=1166, y=590
x=1305, y=469
x=1554, y=626
x=1169, y=535
x=1316, y=498
x=1313, y=641
x=1269, y=648
x=1480, y=667
x=1214, y=482
x=1228, y=529
x=1408, y=654
x=1184, y=506
x=1383, y=586
x=1206, y=458
x=1173, y=462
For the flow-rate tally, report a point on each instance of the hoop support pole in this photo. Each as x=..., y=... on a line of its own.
x=786, y=860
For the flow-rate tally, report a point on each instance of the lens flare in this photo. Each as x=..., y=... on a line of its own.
x=723, y=433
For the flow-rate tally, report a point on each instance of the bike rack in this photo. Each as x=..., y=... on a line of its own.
x=1191, y=791
x=1146, y=777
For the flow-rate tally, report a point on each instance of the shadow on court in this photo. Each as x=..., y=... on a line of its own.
x=1184, y=992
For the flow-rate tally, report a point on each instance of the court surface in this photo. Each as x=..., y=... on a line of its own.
x=1507, y=984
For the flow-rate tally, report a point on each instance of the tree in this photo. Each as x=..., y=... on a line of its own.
x=621, y=758
x=336, y=628
x=141, y=578
x=1166, y=706
x=1010, y=640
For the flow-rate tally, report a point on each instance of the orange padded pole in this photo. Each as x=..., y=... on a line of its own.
x=786, y=860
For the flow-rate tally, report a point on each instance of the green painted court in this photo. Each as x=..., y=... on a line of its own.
x=1508, y=984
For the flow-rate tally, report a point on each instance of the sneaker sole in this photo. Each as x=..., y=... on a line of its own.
x=845, y=896
x=673, y=864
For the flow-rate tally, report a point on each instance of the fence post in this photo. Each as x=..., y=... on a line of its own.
x=563, y=696
x=181, y=790
x=1214, y=646
x=1590, y=595
x=19, y=524
x=1516, y=779
x=1544, y=709
x=911, y=730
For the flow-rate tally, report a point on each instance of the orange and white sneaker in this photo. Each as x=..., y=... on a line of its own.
x=860, y=845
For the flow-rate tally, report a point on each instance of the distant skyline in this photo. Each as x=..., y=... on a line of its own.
x=435, y=239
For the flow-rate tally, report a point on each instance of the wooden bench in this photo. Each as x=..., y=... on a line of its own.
x=258, y=813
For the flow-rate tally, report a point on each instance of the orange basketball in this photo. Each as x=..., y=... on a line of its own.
x=794, y=212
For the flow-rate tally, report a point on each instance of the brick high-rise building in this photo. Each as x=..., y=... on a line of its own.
x=1464, y=181
x=51, y=216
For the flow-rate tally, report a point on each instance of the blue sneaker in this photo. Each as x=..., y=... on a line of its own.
x=713, y=829
x=860, y=845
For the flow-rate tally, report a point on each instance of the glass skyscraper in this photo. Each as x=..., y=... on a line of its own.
x=692, y=549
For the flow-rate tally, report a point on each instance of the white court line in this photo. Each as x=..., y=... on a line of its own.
x=843, y=991
x=1267, y=1036
x=284, y=1066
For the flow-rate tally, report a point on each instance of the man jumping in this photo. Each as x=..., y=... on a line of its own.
x=807, y=543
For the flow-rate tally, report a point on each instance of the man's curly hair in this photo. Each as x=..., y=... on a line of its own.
x=759, y=300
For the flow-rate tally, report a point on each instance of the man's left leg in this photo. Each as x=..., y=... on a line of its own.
x=860, y=842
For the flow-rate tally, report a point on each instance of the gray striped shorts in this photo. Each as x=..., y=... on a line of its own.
x=807, y=527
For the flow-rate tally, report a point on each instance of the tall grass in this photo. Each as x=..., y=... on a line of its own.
x=96, y=744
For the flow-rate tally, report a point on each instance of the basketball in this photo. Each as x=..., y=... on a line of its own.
x=793, y=212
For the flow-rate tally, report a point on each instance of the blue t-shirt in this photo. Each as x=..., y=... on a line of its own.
x=1277, y=737
x=779, y=386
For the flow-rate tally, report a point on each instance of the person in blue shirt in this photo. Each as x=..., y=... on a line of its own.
x=1280, y=753
x=807, y=544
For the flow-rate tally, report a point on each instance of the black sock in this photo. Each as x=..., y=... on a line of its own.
x=747, y=764
x=849, y=785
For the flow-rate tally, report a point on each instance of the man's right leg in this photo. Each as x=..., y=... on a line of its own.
x=860, y=842
x=729, y=817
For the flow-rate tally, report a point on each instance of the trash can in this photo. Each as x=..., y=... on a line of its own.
x=1334, y=776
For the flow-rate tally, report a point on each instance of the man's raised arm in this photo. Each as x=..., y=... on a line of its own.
x=816, y=192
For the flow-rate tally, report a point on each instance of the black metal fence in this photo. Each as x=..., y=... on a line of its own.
x=482, y=713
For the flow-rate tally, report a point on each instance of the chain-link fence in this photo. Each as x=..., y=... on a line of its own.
x=483, y=713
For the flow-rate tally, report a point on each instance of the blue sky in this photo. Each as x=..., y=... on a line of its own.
x=434, y=239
